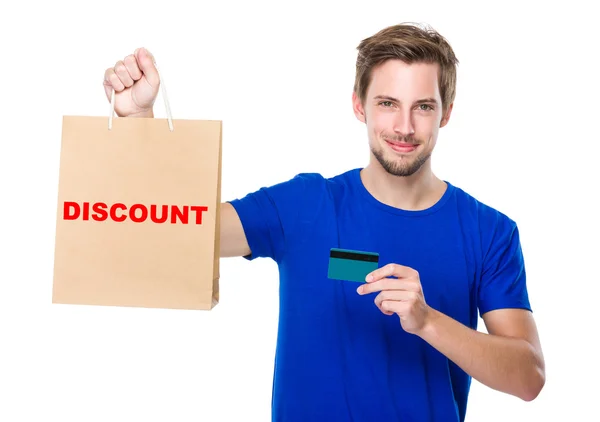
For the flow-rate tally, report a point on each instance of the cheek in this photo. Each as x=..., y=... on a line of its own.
x=427, y=127
x=381, y=123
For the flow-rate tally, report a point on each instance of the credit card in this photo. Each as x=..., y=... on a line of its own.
x=350, y=265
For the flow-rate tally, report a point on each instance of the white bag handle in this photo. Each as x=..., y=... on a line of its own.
x=164, y=94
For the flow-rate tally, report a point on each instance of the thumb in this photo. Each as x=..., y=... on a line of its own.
x=147, y=65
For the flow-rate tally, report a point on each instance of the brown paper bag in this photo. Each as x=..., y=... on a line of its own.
x=138, y=213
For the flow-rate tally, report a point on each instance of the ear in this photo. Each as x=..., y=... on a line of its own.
x=358, y=108
x=446, y=117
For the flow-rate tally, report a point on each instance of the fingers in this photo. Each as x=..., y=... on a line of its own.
x=131, y=69
x=123, y=74
x=111, y=80
x=395, y=296
x=390, y=270
x=146, y=64
x=390, y=307
x=117, y=77
x=131, y=64
x=389, y=284
x=395, y=301
x=390, y=302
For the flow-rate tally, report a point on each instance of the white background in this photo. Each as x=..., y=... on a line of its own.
x=522, y=138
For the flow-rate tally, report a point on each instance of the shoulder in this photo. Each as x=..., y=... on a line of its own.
x=501, y=277
x=308, y=181
x=302, y=194
x=487, y=216
x=294, y=191
x=496, y=231
x=309, y=185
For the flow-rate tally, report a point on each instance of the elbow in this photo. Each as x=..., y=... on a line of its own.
x=532, y=392
x=534, y=385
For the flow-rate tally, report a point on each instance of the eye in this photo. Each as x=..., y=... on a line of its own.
x=425, y=107
x=386, y=103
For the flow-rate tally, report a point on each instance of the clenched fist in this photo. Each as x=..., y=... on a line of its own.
x=136, y=82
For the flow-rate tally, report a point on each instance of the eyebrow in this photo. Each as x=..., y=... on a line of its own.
x=422, y=101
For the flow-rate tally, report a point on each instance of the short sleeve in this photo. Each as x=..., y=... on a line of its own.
x=269, y=215
x=503, y=282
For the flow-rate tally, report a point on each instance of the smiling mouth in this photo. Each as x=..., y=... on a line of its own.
x=402, y=146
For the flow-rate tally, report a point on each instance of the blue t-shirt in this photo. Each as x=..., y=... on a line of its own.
x=338, y=357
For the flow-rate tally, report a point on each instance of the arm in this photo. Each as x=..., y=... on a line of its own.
x=233, y=238
x=261, y=224
x=508, y=359
x=259, y=218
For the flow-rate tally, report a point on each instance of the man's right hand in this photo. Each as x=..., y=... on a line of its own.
x=136, y=82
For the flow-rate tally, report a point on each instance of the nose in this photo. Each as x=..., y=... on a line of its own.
x=403, y=123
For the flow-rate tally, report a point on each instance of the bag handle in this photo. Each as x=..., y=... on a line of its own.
x=164, y=95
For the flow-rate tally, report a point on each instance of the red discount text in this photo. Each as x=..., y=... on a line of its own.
x=138, y=213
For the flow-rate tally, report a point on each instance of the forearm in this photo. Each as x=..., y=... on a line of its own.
x=505, y=364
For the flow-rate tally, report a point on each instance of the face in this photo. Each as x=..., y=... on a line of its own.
x=403, y=114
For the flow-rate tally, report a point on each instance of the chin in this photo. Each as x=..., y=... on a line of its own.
x=402, y=165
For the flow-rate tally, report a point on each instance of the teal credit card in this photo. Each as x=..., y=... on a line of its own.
x=349, y=265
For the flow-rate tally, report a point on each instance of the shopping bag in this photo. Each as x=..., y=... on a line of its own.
x=138, y=212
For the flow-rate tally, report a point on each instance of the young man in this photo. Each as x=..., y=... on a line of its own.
x=403, y=346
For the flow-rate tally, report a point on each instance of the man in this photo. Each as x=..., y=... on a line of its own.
x=403, y=346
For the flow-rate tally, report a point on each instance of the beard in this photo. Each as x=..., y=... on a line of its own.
x=396, y=167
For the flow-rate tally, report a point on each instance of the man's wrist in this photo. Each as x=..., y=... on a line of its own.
x=429, y=328
x=144, y=113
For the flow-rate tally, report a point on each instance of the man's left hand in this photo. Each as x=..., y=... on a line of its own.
x=402, y=295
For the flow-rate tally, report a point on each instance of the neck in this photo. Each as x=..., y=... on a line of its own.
x=417, y=192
